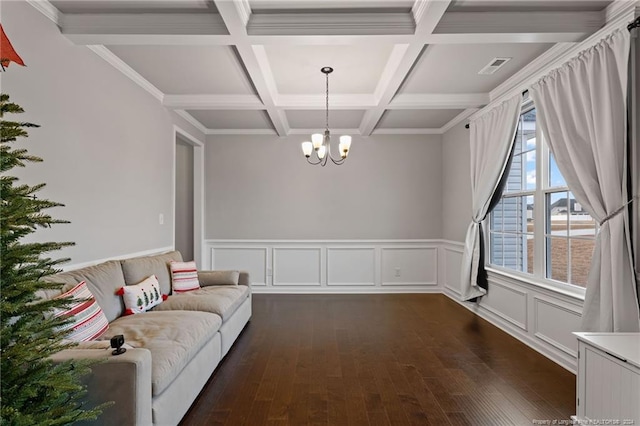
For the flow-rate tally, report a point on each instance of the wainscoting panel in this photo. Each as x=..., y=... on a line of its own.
x=250, y=259
x=554, y=322
x=409, y=266
x=452, y=262
x=508, y=302
x=331, y=266
x=351, y=266
x=297, y=266
x=538, y=315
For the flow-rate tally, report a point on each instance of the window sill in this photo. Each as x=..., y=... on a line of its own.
x=555, y=287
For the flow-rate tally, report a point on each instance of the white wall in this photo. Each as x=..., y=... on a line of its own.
x=107, y=144
x=261, y=187
x=456, y=183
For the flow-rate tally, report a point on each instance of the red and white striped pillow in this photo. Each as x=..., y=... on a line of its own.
x=89, y=321
x=184, y=276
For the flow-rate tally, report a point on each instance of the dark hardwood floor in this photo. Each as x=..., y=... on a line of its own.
x=379, y=360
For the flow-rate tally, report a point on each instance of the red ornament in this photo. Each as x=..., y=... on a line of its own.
x=7, y=53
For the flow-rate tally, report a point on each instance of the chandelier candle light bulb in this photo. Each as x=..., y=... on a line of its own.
x=321, y=143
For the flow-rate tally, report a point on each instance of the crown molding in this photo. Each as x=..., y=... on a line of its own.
x=458, y=118
x=407, y=132
x=620, y=9
x=125, y=69
x=191, y=120
x=418, y=9
x=47, y=9
x=241, y=132
x=244, y=10
x=339, y=101
x=144, y=23
x=520, y=22
x=228, y=102
x=330, y=24
x=439, y=101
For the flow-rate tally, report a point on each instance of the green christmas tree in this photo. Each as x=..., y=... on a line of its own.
x=34, y=390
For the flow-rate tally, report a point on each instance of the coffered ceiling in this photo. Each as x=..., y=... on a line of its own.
x=253, y=66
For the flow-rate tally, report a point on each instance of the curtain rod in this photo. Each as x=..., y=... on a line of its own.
x=524, y=92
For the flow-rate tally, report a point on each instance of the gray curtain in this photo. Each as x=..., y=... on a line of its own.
x=492, y=139
x=581, y=109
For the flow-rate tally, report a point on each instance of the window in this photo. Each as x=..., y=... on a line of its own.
x=538, y=227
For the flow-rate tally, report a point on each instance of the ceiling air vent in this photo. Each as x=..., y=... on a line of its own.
x=493, y=66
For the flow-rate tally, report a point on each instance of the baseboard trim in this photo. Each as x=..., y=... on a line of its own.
x=340, y=290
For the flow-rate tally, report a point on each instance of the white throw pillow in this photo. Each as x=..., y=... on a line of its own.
x=142, y=296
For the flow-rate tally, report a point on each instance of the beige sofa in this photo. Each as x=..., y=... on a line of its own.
x=174, y=348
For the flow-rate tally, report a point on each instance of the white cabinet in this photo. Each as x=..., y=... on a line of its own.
x=608, y=383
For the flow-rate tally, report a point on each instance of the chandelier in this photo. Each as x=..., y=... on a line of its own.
x=321, y=144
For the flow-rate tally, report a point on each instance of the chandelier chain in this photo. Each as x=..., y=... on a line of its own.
x=327, y=100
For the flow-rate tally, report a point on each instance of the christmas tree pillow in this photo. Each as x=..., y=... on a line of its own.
x=184, y=276
x=88, y=321
x=142, y=296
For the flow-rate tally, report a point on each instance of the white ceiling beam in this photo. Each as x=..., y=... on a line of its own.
x=309, y=132
x=333, y=40
x=427, y=14
x=330, y=24
x=217, y=102
x=234, y=14
x=325, y=28
x=497, y=38
x=439, y=101
x=317, y=102
x=337, y=101
x=321, y=40
x=150, y=39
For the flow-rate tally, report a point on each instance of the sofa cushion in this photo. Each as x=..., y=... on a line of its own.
x=221, y=300
x=103, y=280
x=139, y=268
x=173, y=338
x=218, y=278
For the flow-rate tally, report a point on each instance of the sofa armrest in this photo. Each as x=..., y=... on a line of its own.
x=124, y=379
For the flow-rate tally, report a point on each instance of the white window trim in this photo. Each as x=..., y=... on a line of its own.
x=538, y=278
